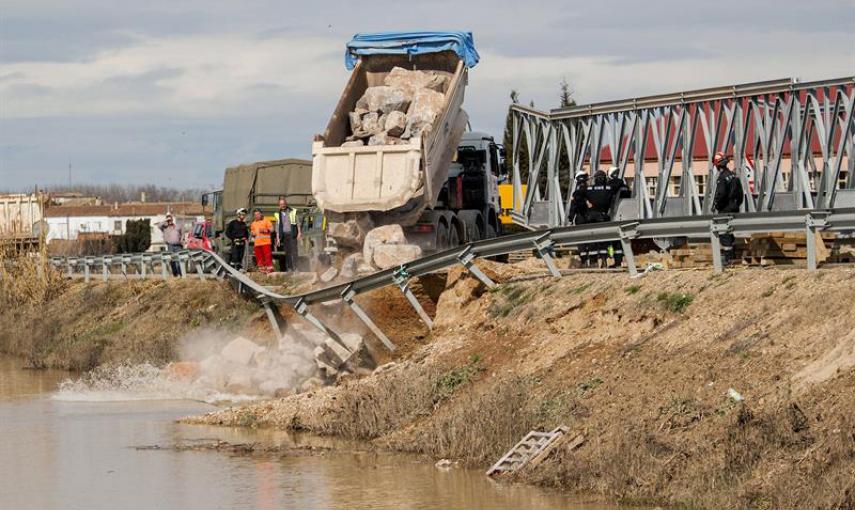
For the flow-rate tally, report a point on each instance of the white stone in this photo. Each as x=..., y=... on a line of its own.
x=370, y=124
x=384, y=99
x=386, y=234
x=396, y=123
x=393, y=255
x=350, y=266
x=354, y=143
x=379, y=139
x=241, y=351
x=355, y=122
x=426, y=105
x=348, y=233
x=329, y=275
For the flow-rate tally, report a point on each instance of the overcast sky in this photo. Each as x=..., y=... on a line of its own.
x=172, y=92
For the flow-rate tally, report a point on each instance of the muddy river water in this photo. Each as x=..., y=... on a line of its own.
x=79, y=453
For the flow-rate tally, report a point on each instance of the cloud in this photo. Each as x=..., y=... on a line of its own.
x=176, y=91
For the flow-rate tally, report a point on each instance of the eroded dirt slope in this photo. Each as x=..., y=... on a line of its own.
x=643, y=368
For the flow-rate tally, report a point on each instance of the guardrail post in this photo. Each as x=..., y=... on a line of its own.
x=70, y=266
x=182, y=263
x=163, y=271
x=142, y=267
x=627, y=234
x=718, y=226
x=814, y=221
x=543, y=245
x=347, y=296
x=467, y=258
x=302, y=310
x=275, y=318
x=105, y=272
x=402, y=279
x=86, y=268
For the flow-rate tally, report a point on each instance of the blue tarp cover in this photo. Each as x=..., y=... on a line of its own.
x=411, y=43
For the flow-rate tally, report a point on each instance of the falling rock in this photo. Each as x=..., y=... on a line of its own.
x=353, y=143
x=350, y=233
x=329, y=275
x=355, y=122
x=241, y=351
x=393, y=255
x=386, y=234
x=385, y=367
x=396, y=123
x=239, y=382
x=350, y=266
x=384, y=99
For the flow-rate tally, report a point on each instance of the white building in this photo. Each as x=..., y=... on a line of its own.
x=69, y=222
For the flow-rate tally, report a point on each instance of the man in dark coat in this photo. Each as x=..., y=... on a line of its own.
x=238, y=233
x=727, y=200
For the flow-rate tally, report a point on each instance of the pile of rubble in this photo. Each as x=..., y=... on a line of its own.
x=404, y=107
x=382, y=248
x=304, y=359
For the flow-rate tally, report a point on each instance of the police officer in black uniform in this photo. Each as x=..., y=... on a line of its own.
x=727, y=199
x=579, y=209
x=599, y=198
x=619, y=190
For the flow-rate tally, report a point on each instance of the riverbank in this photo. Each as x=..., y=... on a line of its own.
x=81, y=326
x=693, y=389
x=731, y=391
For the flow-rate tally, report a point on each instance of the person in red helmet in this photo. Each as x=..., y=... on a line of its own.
x=727, y=200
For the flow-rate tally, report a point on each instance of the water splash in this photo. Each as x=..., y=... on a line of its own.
x=127, y=382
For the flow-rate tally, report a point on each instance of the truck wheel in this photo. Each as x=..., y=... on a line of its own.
x=453, y=238
x=441, y=237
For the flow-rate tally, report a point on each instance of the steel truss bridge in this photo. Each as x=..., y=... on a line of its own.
x=782, y=126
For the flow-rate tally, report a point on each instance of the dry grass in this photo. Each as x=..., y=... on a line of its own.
x=27, y=279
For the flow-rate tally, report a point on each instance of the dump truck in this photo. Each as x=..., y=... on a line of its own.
x=261, y=185
x=441, y=184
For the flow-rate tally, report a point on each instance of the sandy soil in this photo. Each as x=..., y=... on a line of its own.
x=642, y=368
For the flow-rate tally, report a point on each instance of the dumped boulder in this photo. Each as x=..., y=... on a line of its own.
x=241, y=351
x=396, y=123
x=393, y=255
x=386, y=234
x=350, y=233
x=350, y=266
x=329, y=275
x=384, y=99
x=427, y=104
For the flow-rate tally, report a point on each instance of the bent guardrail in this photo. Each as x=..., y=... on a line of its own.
x=204, y=264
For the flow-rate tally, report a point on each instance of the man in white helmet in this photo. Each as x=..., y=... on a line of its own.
x=238, y=232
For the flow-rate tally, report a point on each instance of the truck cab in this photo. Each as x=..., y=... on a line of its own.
x=468, y=205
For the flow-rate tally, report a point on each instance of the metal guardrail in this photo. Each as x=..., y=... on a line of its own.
x=203, y=264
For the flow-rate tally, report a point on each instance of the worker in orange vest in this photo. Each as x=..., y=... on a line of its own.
x=262, y=230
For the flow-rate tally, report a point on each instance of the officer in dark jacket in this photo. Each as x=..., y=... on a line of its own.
x=579, y=210
x=238, y=233
x=727, y=199
x=599, y=198
x=619, y=190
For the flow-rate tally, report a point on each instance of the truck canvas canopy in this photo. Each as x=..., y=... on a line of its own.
x=411, y=43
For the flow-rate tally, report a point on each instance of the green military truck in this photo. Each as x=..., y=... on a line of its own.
x=261, y=185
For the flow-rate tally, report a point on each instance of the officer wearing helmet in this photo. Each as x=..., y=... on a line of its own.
x=619, y=190
x=579, y=209
x=599, y=198
x=238, y=233
x=728, y=199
